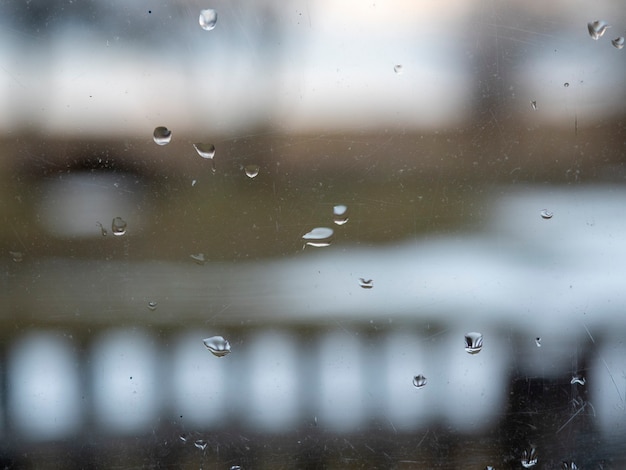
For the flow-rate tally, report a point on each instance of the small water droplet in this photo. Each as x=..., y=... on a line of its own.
x=340, y=214
x=183, y=437
x=193, y=182
x=152, y=306
x=529, y=458
x=597, y=29
x=162, y=135
x=118, y=226
x=577, y=379
x=235, y=467
x=205, y=150
x=319, y=237
x=366, y=283
x=252, y=170
x=569, y=466
x=419, y=381
x=103, y=230
x=618, y=42
x=489, y=467
x=17, y=256
x=566, y=84
x=538, y=341
x=199, y=258
x=546, y=214
x=208, y=19
x=398, y=68
x=217, y=345
x=473, y=342
x=533, y=104
x=200, y=444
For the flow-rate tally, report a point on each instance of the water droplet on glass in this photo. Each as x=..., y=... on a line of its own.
x=618, y=42
x=577, y=379
x=200, y=444
x=569, y=466
x=152, y=306
x=235, y=467
x=208, y=19
x=546, y=214
x=103, y=230
x=366, y=283
x=489, y=467
x=473, y=342
x=252, y=170
x=118, y=226
x=340, y=214
x=533, y=104
x=199, y=258
x=193, y=182
x=419, y=381
x=183, y=437
x=205, y=150
x=319, y=237
x=597, y=29
x=397, y=68
x=566, y=85
x=17, y=256
x=529, y=458
x=538, y=341
x=217, y=345
x=162, y=135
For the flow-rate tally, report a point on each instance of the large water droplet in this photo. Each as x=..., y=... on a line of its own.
x=546, y=214
x=251, y=170
x=17, y=256
x=162, y=135
x=597, y=29
x=200, y=444
x=473, y=342
x=419, y=381
x=217, y=345
x=366, y=283
x=118, y=226
x=529, y=458
x=152, y=306
x=340, y=214
x=199, y=258
x=319, y=237
x=618, y=42
x=205, y=150
x=398, y=68
x=208, y=19
x=577, y=379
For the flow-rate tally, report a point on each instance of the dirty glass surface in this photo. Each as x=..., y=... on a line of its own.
x=360, y=234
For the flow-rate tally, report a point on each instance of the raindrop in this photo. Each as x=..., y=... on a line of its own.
x=569, y=466
x=419, y=381
x=489, y=467
x=618, y=42
x=152, y=306
x=529, y=458
x=473, y=342
x=199, y=258
x=397, y=68
x=162, y=135
x=200, y=444
x=340, y=214
x=183, y=437
x=319, y=237
x=235, y=467
x=366, y=283
x=208, y=19
x=103, y=230
x=205, y=150
x=217, y=345
x=533, y=104
x=597, y=29
x=538, y=341
x=193, y=182
x=251, y=170
x=566, y=84
x=17, y=256
x=118, y=226
x=546, y=214
x=577, y=379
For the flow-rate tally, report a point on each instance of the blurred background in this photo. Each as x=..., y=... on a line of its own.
x=341, y=190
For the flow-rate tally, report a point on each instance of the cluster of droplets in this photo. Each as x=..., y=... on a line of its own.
x=597, y=29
